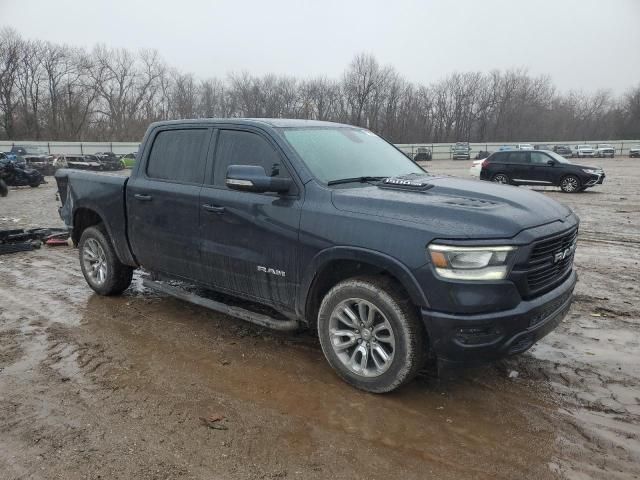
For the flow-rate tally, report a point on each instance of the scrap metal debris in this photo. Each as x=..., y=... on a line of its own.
x=213, y=421
x=21, y=240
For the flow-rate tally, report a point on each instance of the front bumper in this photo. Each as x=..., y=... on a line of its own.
x=595, y=180
x=466, y=340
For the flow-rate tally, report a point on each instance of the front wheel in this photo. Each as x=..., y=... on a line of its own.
x=371, y=335
x=570, y=184
x=100, y=265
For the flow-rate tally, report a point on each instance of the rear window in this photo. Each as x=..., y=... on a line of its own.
x=518, y=157
x=179, y=155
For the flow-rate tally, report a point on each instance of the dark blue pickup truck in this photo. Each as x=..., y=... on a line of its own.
x=329, y=226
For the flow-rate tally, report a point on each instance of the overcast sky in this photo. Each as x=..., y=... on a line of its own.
x=581, y=44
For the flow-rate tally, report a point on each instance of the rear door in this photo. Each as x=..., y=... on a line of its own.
x=249, y=241
x=518, y=167
x=163, y=201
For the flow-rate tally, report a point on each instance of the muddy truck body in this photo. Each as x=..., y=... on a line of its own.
x=328, y=226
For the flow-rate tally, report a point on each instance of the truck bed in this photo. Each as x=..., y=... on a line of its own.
x=82, y=191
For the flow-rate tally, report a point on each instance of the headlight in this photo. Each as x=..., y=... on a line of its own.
x=470, y=263
x=590, y=170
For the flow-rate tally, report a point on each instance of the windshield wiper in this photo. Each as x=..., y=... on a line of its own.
x=355, y=179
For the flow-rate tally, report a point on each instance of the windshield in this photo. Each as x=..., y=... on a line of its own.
x=556, y=157
x=584, y=146
x=336, y=153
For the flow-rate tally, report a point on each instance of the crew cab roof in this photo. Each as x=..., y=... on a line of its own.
x=272, y=122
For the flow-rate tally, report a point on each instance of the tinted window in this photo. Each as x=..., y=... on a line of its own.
x=235, y=147
x=539, y=158
x=178, y=155
x=518, y=157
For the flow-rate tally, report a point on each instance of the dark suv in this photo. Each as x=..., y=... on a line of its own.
x=539, y=167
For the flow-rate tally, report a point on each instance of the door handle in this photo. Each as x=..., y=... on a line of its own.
x=213, y=209
x=143, y=197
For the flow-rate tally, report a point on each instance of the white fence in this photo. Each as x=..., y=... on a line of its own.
x=441, y=151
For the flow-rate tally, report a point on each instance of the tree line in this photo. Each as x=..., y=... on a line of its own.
x=54, y=92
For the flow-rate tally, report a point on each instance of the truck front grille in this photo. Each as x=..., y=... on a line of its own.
x=550, y=261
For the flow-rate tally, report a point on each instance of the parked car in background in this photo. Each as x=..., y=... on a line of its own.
x=634, y=151
x=129, y=159
x=542, y=147
x=476, y=166
x=336, y=229
x=423, y=154
x=524, y=146
x=540, y=167
x=110, y=161
x=581, y=151
x=505, y=148
x=604, y=150
x=461, y=151
x=563, y=150
x=482, y=154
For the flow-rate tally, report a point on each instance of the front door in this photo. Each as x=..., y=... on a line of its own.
x=249, y=241
x=541, y=172
x=163, y=202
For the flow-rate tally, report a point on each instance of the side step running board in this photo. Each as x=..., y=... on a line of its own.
x=241, y=313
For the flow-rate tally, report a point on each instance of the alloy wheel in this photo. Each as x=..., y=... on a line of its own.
x=500, y=178
x=569, y=184
x=362, y=337
x=95, y=261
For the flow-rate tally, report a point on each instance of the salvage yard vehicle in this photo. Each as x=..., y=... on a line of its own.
x=36, y=157
x=540, y=167
x=581, y=151
x=332, y=228
x=423, y=154
x=604, y=150
x=129, y=160
x=83, y=162
x=14, y=175
x=461, y=151
x=634, y=151
x=524, y=146
x=110, y=161
x=563, y=150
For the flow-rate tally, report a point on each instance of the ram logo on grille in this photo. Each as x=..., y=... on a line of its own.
x=561, y=255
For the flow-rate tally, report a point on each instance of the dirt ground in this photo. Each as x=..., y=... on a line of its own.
x=94, y=387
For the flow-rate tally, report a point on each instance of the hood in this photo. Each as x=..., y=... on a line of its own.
x=455, y=208
x=586, y=166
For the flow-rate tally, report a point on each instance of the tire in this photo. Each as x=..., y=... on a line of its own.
x=570, y=184
x=100, y=265
x=34, y=185
x=397, y=331
x=501, y=178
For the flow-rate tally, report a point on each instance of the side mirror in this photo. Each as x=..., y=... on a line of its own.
x=253, y=178
x=551, y=163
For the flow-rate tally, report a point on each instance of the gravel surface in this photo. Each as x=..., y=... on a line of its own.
x=134, y=387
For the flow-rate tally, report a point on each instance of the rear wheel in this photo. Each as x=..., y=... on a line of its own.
x=570, y=184
x=100, y=265
x=371, y=335
x=500, y=178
